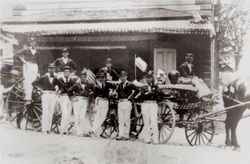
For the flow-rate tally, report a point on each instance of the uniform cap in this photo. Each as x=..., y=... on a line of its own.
x=32, y=39
x=108, y=60
x=189, y=55
x=66, y=68
x=150, y=74
x=124, y=73
x=101, y=74
x=51, y=65
x=83, y=72
x=65, y=49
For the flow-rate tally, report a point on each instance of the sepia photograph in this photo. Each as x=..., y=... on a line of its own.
x=124, y=81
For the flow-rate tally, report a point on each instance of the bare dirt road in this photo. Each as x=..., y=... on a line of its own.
x=25, y=147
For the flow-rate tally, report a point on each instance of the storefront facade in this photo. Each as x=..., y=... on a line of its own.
x=157, y=37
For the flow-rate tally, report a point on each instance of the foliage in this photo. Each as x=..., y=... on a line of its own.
x=233, y=23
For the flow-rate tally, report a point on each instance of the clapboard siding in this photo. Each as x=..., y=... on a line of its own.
x=203, y=7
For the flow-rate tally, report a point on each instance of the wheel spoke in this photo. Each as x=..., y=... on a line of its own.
x=202, y=138
x=37, y=116
x=205, y=136
x=196, y=138
x=193, y=137
x=18, y=102
x=18, y=95
x=191, y=133
x=40, y=110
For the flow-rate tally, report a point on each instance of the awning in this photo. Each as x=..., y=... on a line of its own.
x=171, y=27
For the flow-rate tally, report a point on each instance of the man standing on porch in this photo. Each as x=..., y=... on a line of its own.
x=29, y=59
x=63, y=61
x=111, y=74
x=187, y=69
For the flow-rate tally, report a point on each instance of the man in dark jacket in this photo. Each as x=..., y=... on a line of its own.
x=111, y=74
x=49, y=85
x=126, y=90
x=29, y=61
x=101, y=94
x=81, y=91
x=149, y=109
x=187, y=69
x=66, y=105
x=60, y=63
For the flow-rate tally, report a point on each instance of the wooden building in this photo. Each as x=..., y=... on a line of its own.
x=160, y=32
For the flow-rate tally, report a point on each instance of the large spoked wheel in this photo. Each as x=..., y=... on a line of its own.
x=199, y=132
x=110, y=125
x=166, y=122
x=24, y=114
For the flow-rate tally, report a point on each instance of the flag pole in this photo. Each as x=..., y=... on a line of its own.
x=135, y=67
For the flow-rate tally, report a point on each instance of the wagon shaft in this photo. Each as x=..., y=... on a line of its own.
x=224, y=110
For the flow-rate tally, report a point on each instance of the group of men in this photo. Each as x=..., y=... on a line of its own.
x=58, y=86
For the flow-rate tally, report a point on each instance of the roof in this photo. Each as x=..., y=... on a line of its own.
x=69, y=15
x=167, y=26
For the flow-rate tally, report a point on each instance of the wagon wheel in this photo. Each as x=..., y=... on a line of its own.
x=110, y=125
x=166, y=122
x=199, y=132
x=24, y=114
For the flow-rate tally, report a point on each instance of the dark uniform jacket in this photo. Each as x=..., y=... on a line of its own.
x=110, y=72
x=126, y=89
x=184, y=70
x=45, y=83
x=65, y=86
x=82, y=89
x=60, y=65
x=151, y=92
x=27, y=55
x=102, y=91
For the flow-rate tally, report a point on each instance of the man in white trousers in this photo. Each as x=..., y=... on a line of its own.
x=80, y=93
x=125, y=90
x=64, y=98
x=29, y=58
x=149, y=110
x=49, y=85
x=101, y=94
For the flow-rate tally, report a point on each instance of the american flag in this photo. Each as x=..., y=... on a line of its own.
x=90, y=76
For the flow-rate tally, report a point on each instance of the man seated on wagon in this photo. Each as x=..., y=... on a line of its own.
x=49, y=85
x=187, y=76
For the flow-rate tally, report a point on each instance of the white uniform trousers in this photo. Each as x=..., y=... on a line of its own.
x=124, y=111
x=150, y=129
x=79, y=107
x=30, y=71
x=66, y=109
x=101, y=108
x=48, y=105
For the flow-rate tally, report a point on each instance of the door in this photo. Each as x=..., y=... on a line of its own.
x=164, y=59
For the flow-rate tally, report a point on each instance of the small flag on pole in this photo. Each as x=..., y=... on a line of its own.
x=141, y=64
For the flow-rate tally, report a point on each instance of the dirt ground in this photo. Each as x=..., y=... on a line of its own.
x=26, y=147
